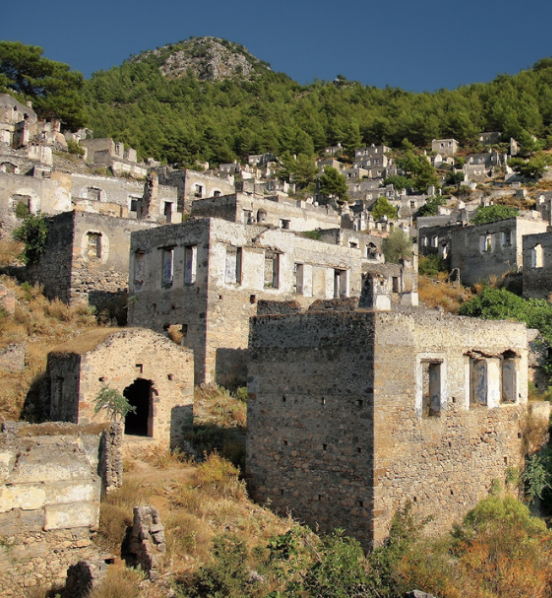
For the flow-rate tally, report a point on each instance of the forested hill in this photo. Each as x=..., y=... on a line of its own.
x=181, y=104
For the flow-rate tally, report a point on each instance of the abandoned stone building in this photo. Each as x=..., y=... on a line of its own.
x=274, y=211
x=86, y=258
x=155, y=374
x=491, y=249
x=106, y=153
x=193, y=185
x=51, y=481
x=353, y=414
x=207, y=275
x=537, y=266
x=445, y=147
x=16, y=121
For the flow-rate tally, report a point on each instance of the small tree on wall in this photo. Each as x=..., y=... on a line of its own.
x=112, y=401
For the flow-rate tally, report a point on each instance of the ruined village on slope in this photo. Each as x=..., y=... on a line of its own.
x=360, y=398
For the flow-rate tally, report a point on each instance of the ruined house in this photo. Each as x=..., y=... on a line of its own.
x=353, y=414
x=274, y=211
x=207, y=275
x=537, y=265
x=106, y=153
x=151, y=371
x=491, y=249
x=445, y=147
x=51, y=480
x=85, y=259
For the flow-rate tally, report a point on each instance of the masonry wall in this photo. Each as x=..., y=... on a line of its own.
x=86, y=258
x=117, y=362
x=352, y=442
x=310, y=419
x=49, y=503
x=245, y=209
x=215, y=309
x=537, y=276
x=478, y=259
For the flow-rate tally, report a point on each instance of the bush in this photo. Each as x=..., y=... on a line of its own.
x=75, y=148
x=485, y=214
x=34, y=233
x=431, y=265
x=21, y=210
x=397, y=245
x=382, y=208
x=431, y=207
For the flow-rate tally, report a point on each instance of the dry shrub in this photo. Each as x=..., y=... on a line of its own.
x=534, y=433
x=435, y=292
x=116, y=513
x=163, y=458
x=187, y=536
x=120, y=582
x=10, y=251
x=175, y=333
x=218, y=477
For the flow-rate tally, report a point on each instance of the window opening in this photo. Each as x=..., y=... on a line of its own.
x=271, y=278
x=233, y=269
x=167, y=265
x=261, y=216
x=478, y=382
x=167, y=210
x=509, y=377
x=94, y=249
x=371, y=251
x=340, y=284
x=507, y=238
x=395, y=284
x=537, y=256
x=139, y=395
x=190, y=264
x=298, y=279
x=431, y=395
x=198, y=191
x=284, y=224
x=247, y=216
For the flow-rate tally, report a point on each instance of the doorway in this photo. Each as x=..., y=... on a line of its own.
x=139, y=394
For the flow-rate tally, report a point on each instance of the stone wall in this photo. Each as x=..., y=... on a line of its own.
x=339, y=430
x=490, y=249
x=12, y=358
x=49, y=502
x=537, y=266
x=279, y=212
x=154, y=373
x=233, y=266
x=86, y=258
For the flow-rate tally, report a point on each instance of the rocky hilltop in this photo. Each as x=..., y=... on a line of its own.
x=208, y=58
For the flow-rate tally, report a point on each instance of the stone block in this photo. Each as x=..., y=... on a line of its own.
x=21, y=496
x=70, y=515
x=73, y=492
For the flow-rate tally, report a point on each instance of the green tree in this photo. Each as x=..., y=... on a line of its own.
x=382, y=208
x=397, y=245
x=53, y=86
x=114, y=403
x=34, y=233
x=486, y=214
x=532, y=168
x=332, y=182
x=398, y=181
x=305, y=170
x=432, y=206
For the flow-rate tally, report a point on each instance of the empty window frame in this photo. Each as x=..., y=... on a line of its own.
x=167, y=265
x=94, y=245
x=371, y=251
x=478, y=381
x=198, y=191
x=299, y=276
x=396, y=286
x=340, y=283
x=508, y=391
x=284, y=224
x=486, y=242
x=93, y=193
x=435, y=241
x=431, y=388
x=261, y=216
x=190, y=264
x=139, y=261
x=272, y=270
x=537, y=257
x=167, y=210
x=233, y=265
x=247, y=216
x=507, y=238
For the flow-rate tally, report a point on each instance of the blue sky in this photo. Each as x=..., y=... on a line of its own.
x=414, y=44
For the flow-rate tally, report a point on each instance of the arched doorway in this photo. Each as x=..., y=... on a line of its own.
x=139, y=395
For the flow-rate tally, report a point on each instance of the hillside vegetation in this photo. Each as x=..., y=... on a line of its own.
x=171, y=104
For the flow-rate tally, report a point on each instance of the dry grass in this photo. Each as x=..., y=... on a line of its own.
x=435, y=292
x=9, y=252
x=120, y=582
x=41, y=325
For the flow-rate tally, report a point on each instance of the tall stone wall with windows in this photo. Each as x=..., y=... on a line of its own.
x=353, y=414
x=537, y=266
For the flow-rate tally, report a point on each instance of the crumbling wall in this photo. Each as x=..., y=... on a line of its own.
x=147, y=540
x=50, y=486
x=338, y=429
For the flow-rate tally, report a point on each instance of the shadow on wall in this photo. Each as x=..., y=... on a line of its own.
x=231, y=367
x=109, y=307
x=182, y=420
